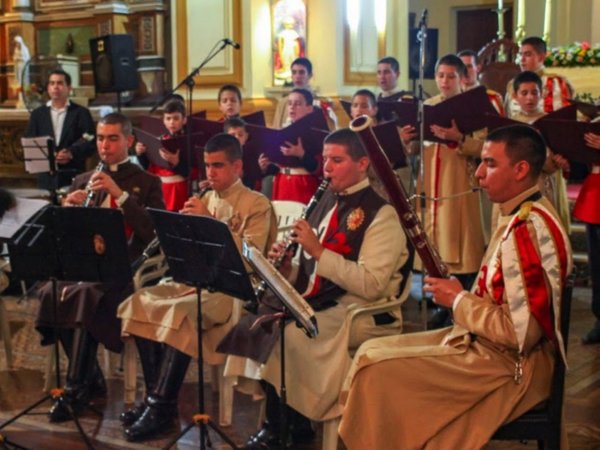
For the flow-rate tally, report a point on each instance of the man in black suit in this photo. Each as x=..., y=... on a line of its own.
x=71, y=126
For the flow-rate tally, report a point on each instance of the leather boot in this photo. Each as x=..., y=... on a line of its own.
x=268, y=437
x=81, y=366
x=150, y=355
x=161, y=404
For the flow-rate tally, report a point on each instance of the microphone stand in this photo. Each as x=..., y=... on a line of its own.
x=422, y=37
x=189, y=82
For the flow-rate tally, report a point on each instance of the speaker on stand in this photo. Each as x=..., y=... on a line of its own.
x=431, y=54
x=114, y=64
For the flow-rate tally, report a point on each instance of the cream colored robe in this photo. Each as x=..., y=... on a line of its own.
x=167, y=313
x=316, y=368
x=454, y=224
x=452, y=388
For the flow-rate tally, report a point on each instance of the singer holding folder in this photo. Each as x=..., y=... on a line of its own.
x=300, y=182
x=174, y=178
x=452, y=207
x=87, y=311
x=167, y=313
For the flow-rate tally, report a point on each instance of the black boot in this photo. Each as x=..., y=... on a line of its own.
x=161, y=404
x=81, y=368
x=150, y=354
x=269, y=436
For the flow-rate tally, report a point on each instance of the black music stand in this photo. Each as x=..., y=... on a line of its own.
x=69, y=244
x=293, y=307
x=201, y=252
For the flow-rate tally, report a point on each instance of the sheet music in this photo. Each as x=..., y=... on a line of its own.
x=299, y=308
x=35, y=154
x=14, y=218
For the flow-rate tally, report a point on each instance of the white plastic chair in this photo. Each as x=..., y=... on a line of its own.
x=151, y=272
x=330, y=427
x=287, y=213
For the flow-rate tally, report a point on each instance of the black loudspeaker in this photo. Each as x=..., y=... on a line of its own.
x=113, y=62
x=431, y=51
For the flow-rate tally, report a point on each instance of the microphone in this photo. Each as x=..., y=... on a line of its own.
x=232, y=43
x=423, y=22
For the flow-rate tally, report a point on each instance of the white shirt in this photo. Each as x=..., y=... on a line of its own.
x=58, y=119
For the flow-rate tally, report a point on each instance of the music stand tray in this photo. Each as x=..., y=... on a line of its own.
x=69, y=244
x=201, y=252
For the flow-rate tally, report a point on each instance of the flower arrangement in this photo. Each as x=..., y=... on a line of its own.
x=577, y=54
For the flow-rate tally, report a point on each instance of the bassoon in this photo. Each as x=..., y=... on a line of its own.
x=408, y=218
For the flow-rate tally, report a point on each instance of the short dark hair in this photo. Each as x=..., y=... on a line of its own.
x=367, y=93
x=234, y=122
x=538, y=44
x=174, y=106
x=116, y=118
x=7, y=201
x=176, y=97
x=304, y=93
x=393, y=62
x=60, y=72
x=302, y=61
x=523, y=143
x=231, y=88
x=227, y=143
x=526, y=77
x=468, y=52
x=452, y=60
x=350, y=140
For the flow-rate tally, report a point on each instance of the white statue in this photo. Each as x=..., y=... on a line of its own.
x=20, y=58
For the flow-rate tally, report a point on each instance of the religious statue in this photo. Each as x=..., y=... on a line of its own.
x=289, y=47
x=21, y=57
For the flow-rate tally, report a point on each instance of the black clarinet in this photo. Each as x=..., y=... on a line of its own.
x=292, y=246
x=154, y=245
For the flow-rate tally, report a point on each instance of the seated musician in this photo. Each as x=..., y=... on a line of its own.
x=87, y=311
x=163, y=318
x=346, y=260
x=453, y=388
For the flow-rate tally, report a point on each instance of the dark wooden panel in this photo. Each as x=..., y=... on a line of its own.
x=477, y=27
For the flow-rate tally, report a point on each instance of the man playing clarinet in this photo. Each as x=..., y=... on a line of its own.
x=352, y=247
x=87, y=311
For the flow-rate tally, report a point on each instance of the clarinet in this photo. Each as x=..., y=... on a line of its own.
x=88, y=188
x=408, y=218
x=152, y=248
x=290, y=244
